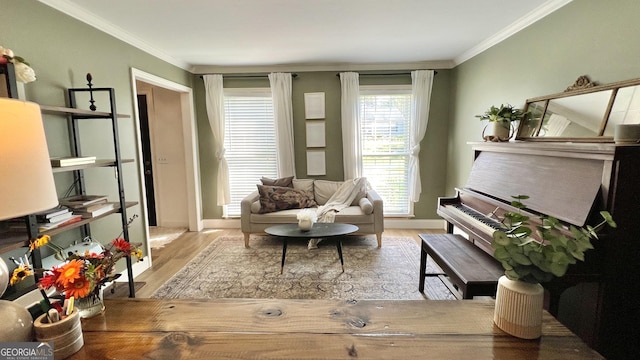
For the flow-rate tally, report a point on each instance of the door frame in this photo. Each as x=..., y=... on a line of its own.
x=192, y=176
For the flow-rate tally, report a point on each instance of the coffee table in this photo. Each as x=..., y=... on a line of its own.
x=319, y=230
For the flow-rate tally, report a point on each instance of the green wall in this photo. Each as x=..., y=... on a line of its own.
x=586, y=37
x=62, y=50
x=432, y=163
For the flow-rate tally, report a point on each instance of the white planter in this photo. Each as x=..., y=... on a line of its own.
x=518, y=310
x=496, y=131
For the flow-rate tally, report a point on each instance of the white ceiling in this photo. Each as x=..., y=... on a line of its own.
x=200, y=35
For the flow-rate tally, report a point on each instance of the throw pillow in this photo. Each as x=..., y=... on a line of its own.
x=255, y=207
x=275, y=198
x=366, y=206
x=285, y=181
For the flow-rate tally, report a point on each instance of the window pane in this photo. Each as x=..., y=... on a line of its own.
x=249, y=143
x=385, y=120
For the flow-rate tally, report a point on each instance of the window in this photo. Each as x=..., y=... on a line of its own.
x=385, y=114
x=249, y=142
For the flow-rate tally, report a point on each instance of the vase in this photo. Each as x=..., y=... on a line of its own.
x=90, y=306
x=305, y=224
x=497, y=131
x=518, y=308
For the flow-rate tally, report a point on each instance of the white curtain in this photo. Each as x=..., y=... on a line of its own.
x=350, y=107
x=421, y=83
x=283, y=112
x=215, y=113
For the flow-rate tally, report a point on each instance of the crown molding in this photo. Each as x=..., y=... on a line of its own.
x=525, y=21
x=88, y=18
x=214, y=69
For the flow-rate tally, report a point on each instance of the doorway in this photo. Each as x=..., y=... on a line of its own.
x=168, y=166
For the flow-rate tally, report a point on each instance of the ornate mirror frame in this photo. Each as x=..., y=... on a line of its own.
x=584, y=112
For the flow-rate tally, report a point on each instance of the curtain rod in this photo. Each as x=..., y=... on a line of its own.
x=388, y=74
x=247, y=76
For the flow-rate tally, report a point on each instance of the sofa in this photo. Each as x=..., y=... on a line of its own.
x=278, y=201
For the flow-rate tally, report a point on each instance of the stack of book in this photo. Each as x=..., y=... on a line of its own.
x=55, y=217
x=88, y=206
x=72, y=161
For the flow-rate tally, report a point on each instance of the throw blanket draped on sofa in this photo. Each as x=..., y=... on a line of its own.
x=341, y=199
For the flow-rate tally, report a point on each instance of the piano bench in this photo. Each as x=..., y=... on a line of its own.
x=472, y=271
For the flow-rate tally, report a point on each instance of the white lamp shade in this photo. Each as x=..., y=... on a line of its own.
x=26, y=178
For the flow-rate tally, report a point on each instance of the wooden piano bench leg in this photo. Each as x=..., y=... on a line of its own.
x=423, y=268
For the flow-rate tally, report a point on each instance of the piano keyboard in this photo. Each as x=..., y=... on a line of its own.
x=487, y=224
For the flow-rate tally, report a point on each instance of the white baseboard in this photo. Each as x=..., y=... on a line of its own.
x=415, y=224
x=390, y=223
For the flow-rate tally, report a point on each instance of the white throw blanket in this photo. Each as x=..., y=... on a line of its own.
x=341, y=199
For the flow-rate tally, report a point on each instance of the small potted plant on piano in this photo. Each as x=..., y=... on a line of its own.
x=530, y=255
x=501, y=119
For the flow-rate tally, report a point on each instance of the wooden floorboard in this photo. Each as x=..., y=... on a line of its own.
x=172, y=257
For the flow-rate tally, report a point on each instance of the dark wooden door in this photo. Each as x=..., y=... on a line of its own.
x=146, y=159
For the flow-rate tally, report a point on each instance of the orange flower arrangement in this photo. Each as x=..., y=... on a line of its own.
x=82, y=275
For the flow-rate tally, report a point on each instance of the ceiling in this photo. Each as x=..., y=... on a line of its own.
x=205, y=35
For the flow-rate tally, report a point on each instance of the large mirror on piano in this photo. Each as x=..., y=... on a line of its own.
x=584, y=112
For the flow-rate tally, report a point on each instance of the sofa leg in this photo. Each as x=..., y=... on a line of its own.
x=246, y=239
x=379, y=237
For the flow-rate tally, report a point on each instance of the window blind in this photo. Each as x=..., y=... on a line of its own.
x=249, y=142
x=385, y=124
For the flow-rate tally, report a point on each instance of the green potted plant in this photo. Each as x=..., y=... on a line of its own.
x=500, y=122
x=530, y=255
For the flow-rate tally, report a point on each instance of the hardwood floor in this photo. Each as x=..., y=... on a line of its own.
x=168, y=260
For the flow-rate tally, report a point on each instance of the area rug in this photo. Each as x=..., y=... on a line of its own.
x=226, y=269
x=161, y=236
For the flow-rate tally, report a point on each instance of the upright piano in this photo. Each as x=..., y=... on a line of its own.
x=598, y=299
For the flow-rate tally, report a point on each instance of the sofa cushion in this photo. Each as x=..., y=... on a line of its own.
x=285, y=181
x=351, y=215
x=303, y=184
x=324, y=189
x=274, y=198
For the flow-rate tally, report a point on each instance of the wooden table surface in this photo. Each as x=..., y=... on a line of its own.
x=314, y=329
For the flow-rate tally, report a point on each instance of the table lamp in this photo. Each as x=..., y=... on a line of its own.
x=26, y=187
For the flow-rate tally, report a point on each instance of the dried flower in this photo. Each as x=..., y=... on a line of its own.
x=24, y=72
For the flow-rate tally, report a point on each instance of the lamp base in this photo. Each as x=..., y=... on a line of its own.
x=17, y=324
